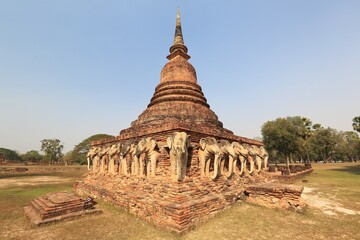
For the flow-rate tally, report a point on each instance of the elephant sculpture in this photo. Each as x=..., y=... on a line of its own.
x=93, y=155
x=209, y=150
x=103, y=154
x=123, y=156
x=134, y=159
x=253, y=159
x=242, y=153
x=227, y=152
x=113, y=153
x=148, y=152
x=257, y=157
x=265, y=157
x=90, y=156
x=127, y=158
x=178, y=144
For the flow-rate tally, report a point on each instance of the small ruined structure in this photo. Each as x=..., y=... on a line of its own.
x=58, y=206
x=176, y=165
x=275, y=195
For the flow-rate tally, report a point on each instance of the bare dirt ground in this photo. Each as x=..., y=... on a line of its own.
x=327, y=204
x=32, y=181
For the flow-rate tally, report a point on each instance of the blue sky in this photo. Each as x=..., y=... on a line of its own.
x=71, y=69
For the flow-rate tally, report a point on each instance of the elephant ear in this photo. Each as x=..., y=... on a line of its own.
x=188, y=140
x=169, y=141
x=203, y=143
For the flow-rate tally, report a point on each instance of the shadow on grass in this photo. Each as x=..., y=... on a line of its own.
x=349, y=169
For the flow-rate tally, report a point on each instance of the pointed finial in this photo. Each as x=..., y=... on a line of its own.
x=178, y=38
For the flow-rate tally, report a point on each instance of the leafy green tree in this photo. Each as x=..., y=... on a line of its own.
x=78, y=154
x=323, y=144
x=9, y=155
x=283, y=136
x=349, y=147
x=52, y=149
x=356, y=124
x=32, y=156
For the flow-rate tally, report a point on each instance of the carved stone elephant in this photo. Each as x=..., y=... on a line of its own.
x=178, y=144
x=148, y=151
x=93, y=156
x=209, y=151
x=103, y=154
x=227, y=153
x=113, y=153
x=265, y=157
x=134, y=159
x=124, y=155
x=258, y=159
x=254, y=159
x=90, y=156
x=242, y=153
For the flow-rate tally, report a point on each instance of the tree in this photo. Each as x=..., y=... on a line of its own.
x=9, y=155
x=356, y=124
x=78, y=154
x=283, y=136
x=52, y=149
x=32, y=156
x=323, y=144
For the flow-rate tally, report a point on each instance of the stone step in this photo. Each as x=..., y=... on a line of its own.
x=41, y=206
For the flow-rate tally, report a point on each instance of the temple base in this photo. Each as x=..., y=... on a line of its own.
x=177, y=206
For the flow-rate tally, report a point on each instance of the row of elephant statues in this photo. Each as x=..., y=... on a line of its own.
x=216, y=158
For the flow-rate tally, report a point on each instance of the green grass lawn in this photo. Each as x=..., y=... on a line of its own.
x=338, y=182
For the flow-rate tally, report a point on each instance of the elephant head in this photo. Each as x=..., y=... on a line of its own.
x=114, y=150
x=227, y=151
x=178, y=144
x=209, y=150
x=148, y=150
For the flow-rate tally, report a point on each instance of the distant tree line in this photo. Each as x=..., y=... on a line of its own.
x=298, y=139
x=52, y=152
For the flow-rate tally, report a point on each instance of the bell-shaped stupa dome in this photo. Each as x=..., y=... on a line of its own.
x=178, y=99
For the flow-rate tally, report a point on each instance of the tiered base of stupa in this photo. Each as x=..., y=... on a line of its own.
x=160, y=199
x=177, y=206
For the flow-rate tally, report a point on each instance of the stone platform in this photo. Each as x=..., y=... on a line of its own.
x=58, y=206
x=177, y=206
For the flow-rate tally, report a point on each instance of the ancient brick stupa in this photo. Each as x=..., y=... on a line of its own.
x=146, y=170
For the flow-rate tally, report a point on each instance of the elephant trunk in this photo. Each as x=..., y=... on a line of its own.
x=242, y=163
x=88, y=163
x=258, y=162
x=266, y=163
x=231, y=166
x=216, y=167
x=251, y=165
x=178, y=168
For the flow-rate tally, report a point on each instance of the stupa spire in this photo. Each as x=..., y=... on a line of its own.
x=178, y=44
